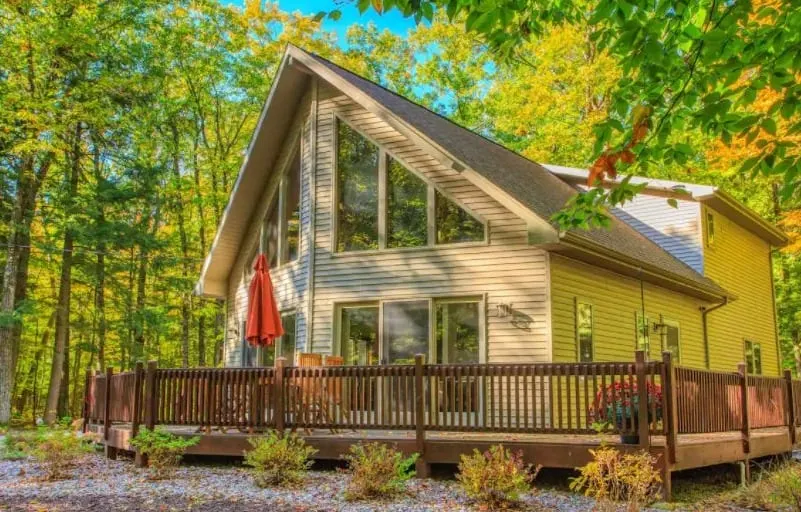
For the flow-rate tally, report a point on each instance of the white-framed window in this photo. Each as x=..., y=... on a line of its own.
x=584, y=331
x=710, y=228
x=280, y=234
x=753, y=357
x=447, y=330
x=285, y=346
x=643, y=332
x=671, y=335
x=379, y=203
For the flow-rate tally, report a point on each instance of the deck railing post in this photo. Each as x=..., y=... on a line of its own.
x=107, y=405
x=742, y=369
x=137, y=398
x=87, y=396
x=151, y=403
x=670, y=408
x=419, y=417
x=790, y=405
x=278, y=394
x=643, y=423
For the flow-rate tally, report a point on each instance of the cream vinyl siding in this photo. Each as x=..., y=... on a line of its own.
x=677, y=230
x=740, y=262
x=616, y=300
x=503, y=270
x=290, y=281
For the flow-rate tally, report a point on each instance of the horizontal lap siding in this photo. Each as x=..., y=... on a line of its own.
x=739, y=261
x=615, y=301
x=677, y=230
x=507, y=270
x=289, y=281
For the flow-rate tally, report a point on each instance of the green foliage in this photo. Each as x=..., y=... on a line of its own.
x=163, y=449
x=612, y=476
x=277, y=460
x=496, y=478
x=377, y=471
x=58, y=451
x=776, y=488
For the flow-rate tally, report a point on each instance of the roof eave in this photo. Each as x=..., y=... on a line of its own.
x=748, y=218
x=596, y=254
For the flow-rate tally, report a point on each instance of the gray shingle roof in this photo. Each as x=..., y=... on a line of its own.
x=525, y=180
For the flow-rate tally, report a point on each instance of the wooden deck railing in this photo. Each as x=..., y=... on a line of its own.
x=552, y=398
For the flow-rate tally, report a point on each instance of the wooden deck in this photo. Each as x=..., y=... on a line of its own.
x=546, y=411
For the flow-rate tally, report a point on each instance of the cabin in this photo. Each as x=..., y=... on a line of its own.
x=392, y=231
x=429, y=302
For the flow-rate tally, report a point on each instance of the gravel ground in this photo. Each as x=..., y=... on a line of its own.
x=101, y=484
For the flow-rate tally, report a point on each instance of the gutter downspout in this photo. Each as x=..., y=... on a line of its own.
x=704, y=312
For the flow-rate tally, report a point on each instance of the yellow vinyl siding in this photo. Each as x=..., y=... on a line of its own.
x=615, y=303
x=740, y=262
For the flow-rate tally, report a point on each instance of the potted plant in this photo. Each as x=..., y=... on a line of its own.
x=618, y=404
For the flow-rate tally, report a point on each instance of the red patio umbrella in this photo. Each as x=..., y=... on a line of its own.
x=264, y=321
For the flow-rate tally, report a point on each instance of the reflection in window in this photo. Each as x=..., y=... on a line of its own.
x=454, y=224
x=753, y=357
x=672, y=341
x=407, y=197
x=457, y=330
x=357, y=191
x=710, y=228
x=284, y=346
x=406, y=330
x=271, y=235
x=359, y=335
x=584, y=335
x=643, y=335
x=292, y=210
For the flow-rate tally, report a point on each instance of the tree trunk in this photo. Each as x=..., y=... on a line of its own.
x=201, y=321
x=58, y=391
x=33, y=371
x=185, y=270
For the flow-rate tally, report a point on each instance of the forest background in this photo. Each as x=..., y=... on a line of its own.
x=123, y=125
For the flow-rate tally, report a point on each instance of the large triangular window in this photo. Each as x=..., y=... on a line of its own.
x=381, y=204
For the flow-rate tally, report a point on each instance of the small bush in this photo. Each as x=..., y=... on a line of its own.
x=15, y=446
x=58, y=451
x=163, y=450
x=778, y=487
x=496, y=478
x=612, y=476
x=278, y=460
x=377, y=471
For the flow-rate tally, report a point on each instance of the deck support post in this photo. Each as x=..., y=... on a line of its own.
x=278, y=395
x=107, y=408
x=791, y=398
x=421, y=466
x=669, y=409
x=742, y=369
x=151, y=402
x=137, y=398
x=643, y=423
x=87, y=397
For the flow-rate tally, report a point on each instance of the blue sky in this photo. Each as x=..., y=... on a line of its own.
x=392, y=21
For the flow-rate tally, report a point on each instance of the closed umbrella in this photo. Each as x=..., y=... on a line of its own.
x=264, y=321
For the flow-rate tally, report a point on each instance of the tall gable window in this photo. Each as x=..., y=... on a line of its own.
x=584, y=335
x=753, y=357
x=380, y=204
x=281, y=227
x=357, y=191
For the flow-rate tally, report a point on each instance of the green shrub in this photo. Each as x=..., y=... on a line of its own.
x=15, y=445
x=277, y=460
x=163, y=450
x=58, y=451
x=377, y=471
x=778, y=487
x=496, y=478
x=611, y=476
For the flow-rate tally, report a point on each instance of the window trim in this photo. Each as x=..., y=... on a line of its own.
x=338, y=116
x=758, y=345
x=433, y=301
x=577, y=301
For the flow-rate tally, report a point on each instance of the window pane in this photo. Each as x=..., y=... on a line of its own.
x=405, y=330
x=672, y=342
x=359, y=335
x=292, y=210
x=584, y=331
x=643, y=335
x=457, y=332
x=407, y=213
x=267, y=357
x=749, y=356
x=357, y=186
x=271, y=234
x=757, y=359
x=287, y=341
x=454, y=224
